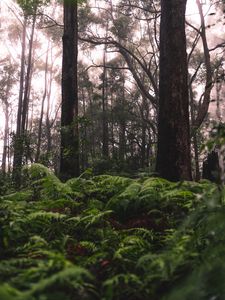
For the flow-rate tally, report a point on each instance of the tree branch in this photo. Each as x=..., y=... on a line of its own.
x=204, y=106
x=127, y=54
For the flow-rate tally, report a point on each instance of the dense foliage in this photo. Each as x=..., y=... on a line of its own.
x=110, y=237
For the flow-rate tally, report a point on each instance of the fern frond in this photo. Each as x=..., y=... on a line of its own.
x=7, y=292
x=144, y=233
x=124, y=204
x=118, y=285
x=46, y=216
x=91, y=217
x=73, y=277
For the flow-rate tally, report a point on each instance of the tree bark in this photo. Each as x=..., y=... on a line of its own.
x=143, y=145
x=173, y=155
x=105, y=129
x=42, y=109
x=28, y=78
x=204, y=104
x=5, y=139
x=122, y=124
x=69, y=158
x=17, y=157
x=49, y=124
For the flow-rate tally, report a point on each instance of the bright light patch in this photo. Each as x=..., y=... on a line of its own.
x=192, y=10
x=2, y=118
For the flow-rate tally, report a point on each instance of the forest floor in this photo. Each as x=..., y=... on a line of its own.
x=111, y=238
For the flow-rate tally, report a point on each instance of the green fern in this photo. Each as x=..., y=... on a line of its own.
x=7, y=292
x=144, y=233
x=22, y=196
x=82, y=187
x=79, y=240
x=157, y=183
x=124, y=204
x=123, y=286
x=65, y=206
x=45, y=184
x=89, y=218
x=131, y=248
x=109, y=186
x=73, y=277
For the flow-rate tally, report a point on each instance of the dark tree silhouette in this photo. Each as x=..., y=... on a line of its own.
x=69, y=158
x=173, y=157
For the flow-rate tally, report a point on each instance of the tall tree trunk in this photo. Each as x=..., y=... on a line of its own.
x=28, y=78
x=122, y=143
x=23, y=102
x=69, y=158
x=6, y=127
x=92, y=129
x=5, y=139
x=84, y=149
x=173, y=156
x=143, y=145
x=194, y=135
x=144, y=112
x=112, y=137
x=196, y=156
x=204, y=104
x=122, y=126
x=219, y=85
x=17, y=158
x=42, y=108
x=48, y=136
x=47, y=121
x=105, y=129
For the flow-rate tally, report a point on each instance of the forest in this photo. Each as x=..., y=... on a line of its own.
x=112, y=156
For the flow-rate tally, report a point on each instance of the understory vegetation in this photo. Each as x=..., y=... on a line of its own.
x=110, y=237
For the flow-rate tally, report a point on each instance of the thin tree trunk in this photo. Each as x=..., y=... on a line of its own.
x=5, y=139
x=143, y=145
x=42, y=110
x=196, y=156
x=9, y=155
x=47, y=121
x=194, y=135
x=84, y=150
x=218, y=99
x=122, y=127
x=28, y=78
x=17, y=159
x=204, y=104
x=23, y=103
x=92, y=131
x=105, y=133
x=112, y=127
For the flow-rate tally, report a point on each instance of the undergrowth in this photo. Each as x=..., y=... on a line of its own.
x=111, y=238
